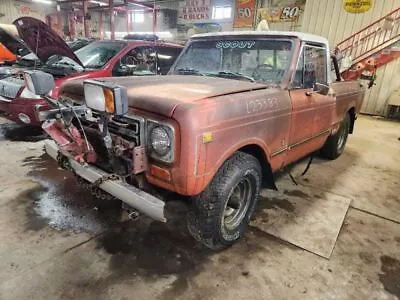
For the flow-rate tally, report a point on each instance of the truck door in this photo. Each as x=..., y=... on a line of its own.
x=323, y=100
x=303, y=111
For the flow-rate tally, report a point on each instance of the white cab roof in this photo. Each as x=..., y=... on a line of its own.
x=300, y=35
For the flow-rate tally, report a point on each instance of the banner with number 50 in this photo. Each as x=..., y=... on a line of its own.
x=244, y=13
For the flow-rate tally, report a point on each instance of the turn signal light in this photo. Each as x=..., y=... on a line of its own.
x=160, y=173
x=109, y=100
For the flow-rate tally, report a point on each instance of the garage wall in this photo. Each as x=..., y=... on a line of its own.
x=376, y=98
x=328, y=18
x=13, y=9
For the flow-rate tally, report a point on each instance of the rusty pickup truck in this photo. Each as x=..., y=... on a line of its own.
x=235, y=109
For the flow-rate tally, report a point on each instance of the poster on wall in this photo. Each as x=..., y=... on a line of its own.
x=194, y=11
x=286, y=13
x=244, y=13
x=357, y=6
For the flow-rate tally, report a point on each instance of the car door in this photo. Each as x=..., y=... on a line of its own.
x=139, y=61
x=166, y=57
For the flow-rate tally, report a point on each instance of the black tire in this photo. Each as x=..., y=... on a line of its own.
x=334, y=145
x=213, y=219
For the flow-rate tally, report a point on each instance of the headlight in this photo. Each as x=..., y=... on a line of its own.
x=39, y=82
x=160, y=141
x=103, y=96
x=27, y=94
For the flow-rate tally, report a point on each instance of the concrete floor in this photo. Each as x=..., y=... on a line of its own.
x=56, y=245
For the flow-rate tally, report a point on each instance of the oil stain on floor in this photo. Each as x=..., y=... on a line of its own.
x=143, y=248
x=390, y=276
x=21, y=133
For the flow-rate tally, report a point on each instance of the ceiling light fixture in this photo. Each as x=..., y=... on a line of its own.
x=98, y=2
x=43, y=1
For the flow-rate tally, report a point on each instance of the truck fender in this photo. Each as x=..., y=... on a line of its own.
x=258, y=152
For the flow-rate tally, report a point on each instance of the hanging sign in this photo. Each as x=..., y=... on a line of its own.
x=289, y=13
x=244, y=13
x=194, y=11
x=357, y=6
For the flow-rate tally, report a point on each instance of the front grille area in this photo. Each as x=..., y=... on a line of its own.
x=130, y=128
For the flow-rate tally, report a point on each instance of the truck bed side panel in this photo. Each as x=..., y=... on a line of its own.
x=349, y=94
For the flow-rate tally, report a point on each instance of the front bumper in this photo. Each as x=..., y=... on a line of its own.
x=134, y=197
x=13, y=108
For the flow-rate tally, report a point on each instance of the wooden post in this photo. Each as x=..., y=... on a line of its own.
x=85, y=20
x=101, y=27
x=112, y=19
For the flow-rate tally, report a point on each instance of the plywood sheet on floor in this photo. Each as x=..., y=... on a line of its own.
x=308, y=218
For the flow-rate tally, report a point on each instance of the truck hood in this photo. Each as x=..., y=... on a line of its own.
x=162, y=94
x=42, y=40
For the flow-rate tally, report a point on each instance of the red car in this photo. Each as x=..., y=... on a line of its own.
x=98, y=59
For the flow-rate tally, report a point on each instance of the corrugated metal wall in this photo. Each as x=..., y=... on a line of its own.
x=329, y=19
x=388, y=80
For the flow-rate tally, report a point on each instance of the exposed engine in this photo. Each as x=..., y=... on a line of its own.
x=118, y=145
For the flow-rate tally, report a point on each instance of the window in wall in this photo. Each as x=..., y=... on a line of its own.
x=222, y=12
x=138, y=16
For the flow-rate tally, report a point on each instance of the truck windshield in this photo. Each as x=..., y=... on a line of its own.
x=256, y=60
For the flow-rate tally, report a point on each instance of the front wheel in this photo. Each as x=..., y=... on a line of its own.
x=220, y=214
x=334, y=145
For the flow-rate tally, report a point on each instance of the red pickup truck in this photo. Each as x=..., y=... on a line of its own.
x=97, y=59
x=235, y=108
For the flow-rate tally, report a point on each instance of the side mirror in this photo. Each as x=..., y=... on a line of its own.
x=106, y=97
x=321, y=88
x=39, y=82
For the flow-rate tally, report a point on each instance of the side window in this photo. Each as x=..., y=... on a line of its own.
x=314, y=66
x=311, y=68
x=138, y=61
x=298, y=80
x=166, y=58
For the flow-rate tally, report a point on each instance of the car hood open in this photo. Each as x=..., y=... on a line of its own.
x=42, y=40
x=162, y=94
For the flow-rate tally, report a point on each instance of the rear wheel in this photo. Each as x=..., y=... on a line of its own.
x=334, y=145
x=220, y=215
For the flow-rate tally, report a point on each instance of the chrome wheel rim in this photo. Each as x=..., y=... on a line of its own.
x=237, y=204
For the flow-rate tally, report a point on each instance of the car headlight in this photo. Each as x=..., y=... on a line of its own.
x=160, y=141
x=107, y=97
x=39, y=82
x=27, y=94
